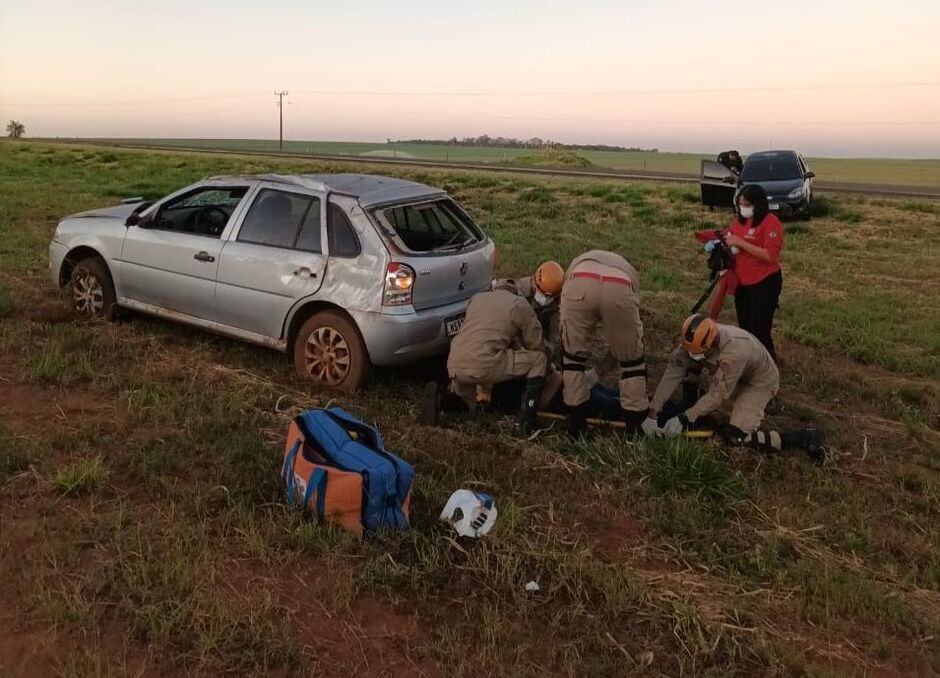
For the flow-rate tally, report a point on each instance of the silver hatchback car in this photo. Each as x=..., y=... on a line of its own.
x=341, y=271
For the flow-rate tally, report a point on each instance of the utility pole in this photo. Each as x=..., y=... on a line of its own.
x=280, y=108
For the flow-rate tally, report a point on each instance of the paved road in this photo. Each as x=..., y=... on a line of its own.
x=820, y=186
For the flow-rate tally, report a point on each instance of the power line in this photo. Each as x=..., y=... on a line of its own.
x=626, y=92
x=471, y=93
x=148, y=102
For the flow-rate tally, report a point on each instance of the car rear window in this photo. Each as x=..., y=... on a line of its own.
x=771, y=168
x=431, y=226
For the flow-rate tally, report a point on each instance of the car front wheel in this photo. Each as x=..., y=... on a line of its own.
x=91, y=290
x=330, y=351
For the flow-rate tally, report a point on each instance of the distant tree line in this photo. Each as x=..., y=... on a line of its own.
x=534, y=142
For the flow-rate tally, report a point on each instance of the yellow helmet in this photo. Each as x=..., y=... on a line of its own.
x=549, y=277
x=698, y=334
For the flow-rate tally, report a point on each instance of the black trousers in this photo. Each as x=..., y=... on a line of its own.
x=756, y=304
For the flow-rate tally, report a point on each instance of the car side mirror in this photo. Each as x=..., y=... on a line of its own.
x=137, y=220
x=809, y=175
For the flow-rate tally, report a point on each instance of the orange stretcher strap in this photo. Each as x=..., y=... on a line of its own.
x=603, y=278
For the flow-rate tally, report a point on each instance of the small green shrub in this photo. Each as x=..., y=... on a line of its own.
x=81, y=476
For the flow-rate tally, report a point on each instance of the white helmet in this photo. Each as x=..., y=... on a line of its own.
x=472, y=514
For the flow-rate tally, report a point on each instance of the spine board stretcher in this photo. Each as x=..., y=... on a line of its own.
x=619, y=424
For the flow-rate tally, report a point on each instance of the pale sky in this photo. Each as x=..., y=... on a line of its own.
x=620, y=72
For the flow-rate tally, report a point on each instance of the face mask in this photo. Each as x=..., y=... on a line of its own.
x=747, y=212
x=541, y=299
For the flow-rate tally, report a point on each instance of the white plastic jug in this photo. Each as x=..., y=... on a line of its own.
x=472, y=514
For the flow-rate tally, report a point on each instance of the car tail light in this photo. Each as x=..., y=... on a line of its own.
x=399, y=284
x=495, y=259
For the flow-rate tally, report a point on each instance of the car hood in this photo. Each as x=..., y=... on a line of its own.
x=776, y=188
x=116, y=212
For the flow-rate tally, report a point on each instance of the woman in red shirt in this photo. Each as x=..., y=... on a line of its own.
x=757, y=236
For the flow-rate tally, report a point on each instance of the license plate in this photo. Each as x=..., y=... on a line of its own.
x=774, y=206
x=452, y=325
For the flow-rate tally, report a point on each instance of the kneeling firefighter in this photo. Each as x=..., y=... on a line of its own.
x=500, y=339
x=542, y=290
x=743, y=372
x=601, y=288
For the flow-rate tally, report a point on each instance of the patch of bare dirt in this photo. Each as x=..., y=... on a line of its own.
x=613, y=536
x=362, y=636
x=31, y=410
x=24, y=652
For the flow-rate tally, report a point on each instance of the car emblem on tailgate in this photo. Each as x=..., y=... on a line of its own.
x=464, y=267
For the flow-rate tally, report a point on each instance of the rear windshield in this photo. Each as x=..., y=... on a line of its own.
x=771, y=168
x=432, y=226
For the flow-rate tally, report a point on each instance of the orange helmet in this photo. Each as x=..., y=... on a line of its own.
x=698, y=334
x=549, y=277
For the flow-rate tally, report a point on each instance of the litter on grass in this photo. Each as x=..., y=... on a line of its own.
x=471, y=514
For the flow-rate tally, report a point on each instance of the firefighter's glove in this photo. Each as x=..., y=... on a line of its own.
x=675, y=426
x=650, y=427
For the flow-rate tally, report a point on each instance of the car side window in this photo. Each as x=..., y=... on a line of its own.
x=204, y=211
x=340, y=233
x=309, y=239
x=279, y=219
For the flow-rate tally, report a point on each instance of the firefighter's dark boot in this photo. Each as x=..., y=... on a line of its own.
x=437, y=399
x=577, y=421
x=816, y=446
x=732, y=435
x=430, y=404
x=812, y=440
x=633, y=420
x=527, y=419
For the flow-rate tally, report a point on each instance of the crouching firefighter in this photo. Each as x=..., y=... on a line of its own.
x=500, y=339
x=742, y=372
x=601, y=289
x=541, y=290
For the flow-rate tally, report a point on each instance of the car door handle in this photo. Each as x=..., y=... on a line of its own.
x=304, y=272
x=203, y=256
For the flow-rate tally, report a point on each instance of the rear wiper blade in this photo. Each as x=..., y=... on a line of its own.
x=449, y=245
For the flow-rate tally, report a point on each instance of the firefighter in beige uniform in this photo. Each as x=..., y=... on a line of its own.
x=601, y=288
x=742, y=372
x=500, y=339
x=541, y=290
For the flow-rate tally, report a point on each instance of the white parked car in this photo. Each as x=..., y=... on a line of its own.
x=342, y=271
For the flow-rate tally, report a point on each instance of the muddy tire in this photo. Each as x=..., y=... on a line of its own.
x=330, y=351
x=90, y=290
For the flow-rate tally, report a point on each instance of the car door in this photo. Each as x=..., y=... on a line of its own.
x=169, y=259
x=718, y=184
x=808, y=175
x=272, y=257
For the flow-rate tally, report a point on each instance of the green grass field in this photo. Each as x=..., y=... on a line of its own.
x=143, y=532
x=850, y=170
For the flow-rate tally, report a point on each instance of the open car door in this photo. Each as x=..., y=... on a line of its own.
x=718, y=184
